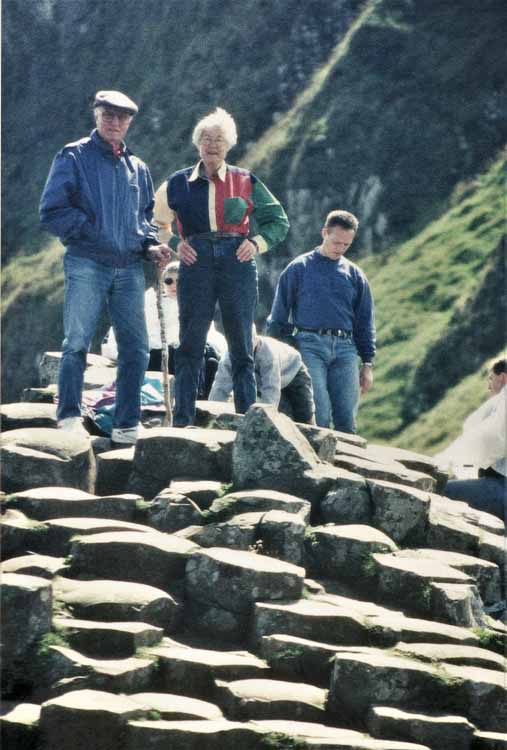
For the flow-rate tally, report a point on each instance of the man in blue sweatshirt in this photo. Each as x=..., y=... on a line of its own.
x=98, y=200
x=325, y=303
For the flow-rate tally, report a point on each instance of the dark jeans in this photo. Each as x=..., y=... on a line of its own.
x=297, y=398
x=217, y=275
x=486, y=493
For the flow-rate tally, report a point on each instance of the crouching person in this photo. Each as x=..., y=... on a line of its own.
x=282, y=379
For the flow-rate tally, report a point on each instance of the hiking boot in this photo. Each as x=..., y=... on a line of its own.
x=72, y=424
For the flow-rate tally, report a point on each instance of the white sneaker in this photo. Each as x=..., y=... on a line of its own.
x=125, y=435
x=72, y=424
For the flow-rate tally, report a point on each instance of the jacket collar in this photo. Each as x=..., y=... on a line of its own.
x=106, y=149
x=198, y=171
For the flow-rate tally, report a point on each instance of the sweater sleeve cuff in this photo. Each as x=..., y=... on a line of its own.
x=261, y=243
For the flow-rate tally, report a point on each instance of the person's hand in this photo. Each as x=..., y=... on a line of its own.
x=160, y=254
x=365, y=379
x=186, y=253
x=246, y=251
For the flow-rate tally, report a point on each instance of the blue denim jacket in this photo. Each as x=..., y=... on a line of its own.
x=99, y=206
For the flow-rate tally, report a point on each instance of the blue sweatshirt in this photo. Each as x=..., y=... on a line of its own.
x=98, y=205
x=317, y=292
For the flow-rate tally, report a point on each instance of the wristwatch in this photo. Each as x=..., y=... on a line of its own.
x=367, y=364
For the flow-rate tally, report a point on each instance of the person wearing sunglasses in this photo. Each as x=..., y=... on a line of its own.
x=98, y=200
x=216, y=346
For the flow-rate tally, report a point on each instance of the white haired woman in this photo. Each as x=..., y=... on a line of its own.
x=212, y=205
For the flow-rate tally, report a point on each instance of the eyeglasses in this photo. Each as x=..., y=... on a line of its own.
x=169, y=281
x=207, y=140
x=108, y=115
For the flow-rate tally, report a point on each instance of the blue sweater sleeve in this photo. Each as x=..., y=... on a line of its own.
x=278, y=324
x=364, y=322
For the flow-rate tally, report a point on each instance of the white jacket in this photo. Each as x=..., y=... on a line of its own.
x=483, y=442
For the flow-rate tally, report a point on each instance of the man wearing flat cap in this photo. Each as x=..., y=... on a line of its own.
x=98, y=200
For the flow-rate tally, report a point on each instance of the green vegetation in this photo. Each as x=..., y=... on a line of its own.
x=490, y=639
x=47, y=641
x=279, y=741
x=419, y=287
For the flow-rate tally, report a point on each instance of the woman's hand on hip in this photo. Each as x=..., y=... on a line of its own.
x=186, y=253
x=246, y=251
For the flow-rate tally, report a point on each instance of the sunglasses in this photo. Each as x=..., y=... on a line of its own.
x=170, y=281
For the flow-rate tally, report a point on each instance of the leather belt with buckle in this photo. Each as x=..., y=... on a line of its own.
x=327, y=332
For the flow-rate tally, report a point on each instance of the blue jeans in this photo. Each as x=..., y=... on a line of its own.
x=88, y=287
x=486, y=493
x=332, y=364
x=217, y=275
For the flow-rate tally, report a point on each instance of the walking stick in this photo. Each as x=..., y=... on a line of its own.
x=168, y=418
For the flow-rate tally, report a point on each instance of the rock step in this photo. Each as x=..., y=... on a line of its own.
x=194, y=453
x=44, y=503
x=485, y=574
x=146, y=557
x=489, y=741
x=275, y=533
x=242, y=700
x=17, y=416
x=427, y=587
x=66, y=667
x=19, y=726
x=437, y=731
x=117, y=601
x=222, y=586
x=188, y=670
x=60, y=531
x=202, y=492
x=342, y=552
x=42, y=456
x=391, y=471
x=346, y=622
x=111, y=640
x=360, y=681
x=320, y=737
x=256, y=501
x=113, y=470
x=41, y=566
x=462, y=656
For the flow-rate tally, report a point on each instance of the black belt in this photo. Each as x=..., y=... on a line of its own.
x=215, y=236
x=326, y=332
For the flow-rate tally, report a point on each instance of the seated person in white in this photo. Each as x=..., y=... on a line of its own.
x=482, y=448
x=282, y=379
x=216, y=344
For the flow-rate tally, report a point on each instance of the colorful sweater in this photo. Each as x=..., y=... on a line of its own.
x=233, y=201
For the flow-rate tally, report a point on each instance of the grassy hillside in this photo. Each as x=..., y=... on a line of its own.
x=424, y=285
x=412, y=104
x=436, y=428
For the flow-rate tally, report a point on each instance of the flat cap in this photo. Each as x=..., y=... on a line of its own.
x=115, y=99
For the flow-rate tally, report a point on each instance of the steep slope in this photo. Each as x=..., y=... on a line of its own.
x=430, y=335
x=438, y=426
x=413, y=106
